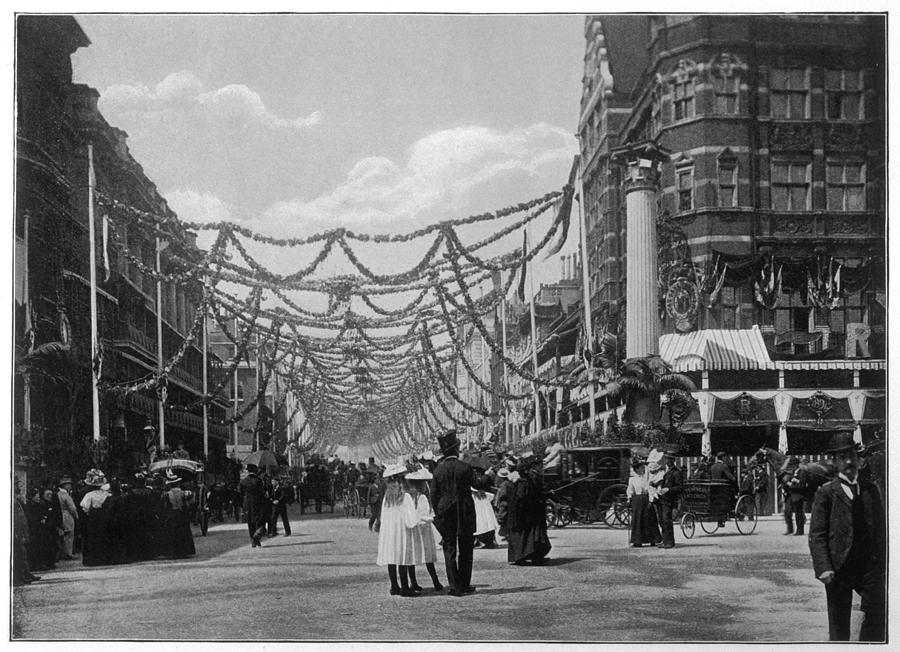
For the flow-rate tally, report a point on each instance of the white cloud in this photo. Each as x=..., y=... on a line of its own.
x=442, y=170
x=232, y=102
x=194, y=206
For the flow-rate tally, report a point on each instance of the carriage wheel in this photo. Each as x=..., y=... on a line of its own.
x=745, y=515
x=709, y=526
x=688, y=525
x=611, y=503
x=624, y=516
x=551, y=514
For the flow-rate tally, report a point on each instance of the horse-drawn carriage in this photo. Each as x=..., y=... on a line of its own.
x=318, y=491
x=712, y=503
x=591, y=486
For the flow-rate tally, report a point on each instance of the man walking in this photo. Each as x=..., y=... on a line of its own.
x=69, y=514
x=454, y=514
x=847, y=544
x=254, y=505
x=721, y=472
x=669, y=493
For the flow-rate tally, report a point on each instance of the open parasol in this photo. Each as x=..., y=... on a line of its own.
x=264, y=459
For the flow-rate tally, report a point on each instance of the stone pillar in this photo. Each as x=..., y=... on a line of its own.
x=642, y=328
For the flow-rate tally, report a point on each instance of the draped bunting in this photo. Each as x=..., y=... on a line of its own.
x=706, y=404
x=857, y=402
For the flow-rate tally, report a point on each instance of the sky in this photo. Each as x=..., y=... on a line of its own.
x=292, y=124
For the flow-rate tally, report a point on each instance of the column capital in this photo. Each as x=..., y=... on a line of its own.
x=641, y=162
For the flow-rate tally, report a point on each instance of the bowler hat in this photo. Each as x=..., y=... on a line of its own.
x=64, y=480
x=448, y=442
x=841, y=441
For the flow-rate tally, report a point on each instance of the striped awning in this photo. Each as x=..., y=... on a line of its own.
x=716, y=350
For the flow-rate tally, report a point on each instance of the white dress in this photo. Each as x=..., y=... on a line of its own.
x=419, y=516
x=485, y=519
x=393, y=537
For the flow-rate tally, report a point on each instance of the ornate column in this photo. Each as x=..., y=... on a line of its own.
x=642, y=328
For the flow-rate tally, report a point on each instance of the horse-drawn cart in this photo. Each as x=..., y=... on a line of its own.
x=712, y=502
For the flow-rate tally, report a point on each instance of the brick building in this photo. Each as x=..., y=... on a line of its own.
x=763, y=141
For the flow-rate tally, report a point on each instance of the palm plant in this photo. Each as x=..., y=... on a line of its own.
x=640, y=381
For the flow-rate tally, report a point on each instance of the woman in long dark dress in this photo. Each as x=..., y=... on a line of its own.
x=644, y=527
x=119, y=522
x=178, y=525
x=95, y=543
x=526, y=522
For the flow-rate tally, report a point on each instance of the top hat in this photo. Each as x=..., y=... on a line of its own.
x=841, y=441
x=448, y=442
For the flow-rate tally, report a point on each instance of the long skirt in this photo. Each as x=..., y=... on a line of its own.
x=180, y=537
x=95, y=542
x=644, y=528
x=530, y=544
x=485, y=519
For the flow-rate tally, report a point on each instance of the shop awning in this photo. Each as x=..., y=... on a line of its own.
x=716, y=350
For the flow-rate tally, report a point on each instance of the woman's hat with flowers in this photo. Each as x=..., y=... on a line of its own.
x=94, y=478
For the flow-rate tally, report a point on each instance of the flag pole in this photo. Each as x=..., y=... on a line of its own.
x=586, y=297
x=159, y=346
x=95, y=349
x=205, y=373
x=534, y=355
x=505, y=373
x=29, y=327
x=235, y=390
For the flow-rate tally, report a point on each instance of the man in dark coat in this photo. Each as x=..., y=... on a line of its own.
x=847, y=544
x=254, y=505
x=722, y=472
x=793, y=482
x=669, y=493
x=454, y=514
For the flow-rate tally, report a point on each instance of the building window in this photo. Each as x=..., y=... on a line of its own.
x=685, y=189
x=843, y=95
x=790, y=186
x=846, y=185
x=727, y=177
x=733, y=310
x=683, y=99
x=789, y=92
x=726, y=90
x=656, y=111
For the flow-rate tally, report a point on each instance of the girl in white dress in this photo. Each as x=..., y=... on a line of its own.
x=394, y=537
x=420, y=516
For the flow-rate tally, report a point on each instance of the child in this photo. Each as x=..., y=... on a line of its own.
x=419, y=517
x=394, y=537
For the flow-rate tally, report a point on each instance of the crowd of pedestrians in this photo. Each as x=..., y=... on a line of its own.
x=105, y=521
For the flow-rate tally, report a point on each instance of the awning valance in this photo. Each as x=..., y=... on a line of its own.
x=716, y=349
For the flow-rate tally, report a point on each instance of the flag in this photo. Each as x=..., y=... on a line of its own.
x=29, y=329
x=97, y=363
x=523, y=270
x=565, y=210
x=106, y=270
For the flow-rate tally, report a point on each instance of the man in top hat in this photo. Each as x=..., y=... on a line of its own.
x=669, y=492
x=720, y=470
x=454, y=514
x=69, y=516
x=253, y=492
x=847, y=543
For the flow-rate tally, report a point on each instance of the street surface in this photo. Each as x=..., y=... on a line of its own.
x=322, y=583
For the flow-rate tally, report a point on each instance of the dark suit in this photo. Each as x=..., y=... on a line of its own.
x=721, y=471
x=254, y=505
x=848, y=537
x=280, y=498
x=668, y=501
x=454, y=518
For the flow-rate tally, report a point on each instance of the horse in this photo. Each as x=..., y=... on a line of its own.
x=790, y=472
x=812, y=475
